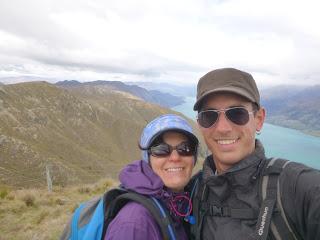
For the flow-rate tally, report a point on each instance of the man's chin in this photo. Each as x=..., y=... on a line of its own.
x=226, y=162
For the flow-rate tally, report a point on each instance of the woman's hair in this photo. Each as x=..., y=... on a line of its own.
x=155, y=142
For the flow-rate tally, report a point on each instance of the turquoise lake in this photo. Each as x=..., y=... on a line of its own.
x=278, y=141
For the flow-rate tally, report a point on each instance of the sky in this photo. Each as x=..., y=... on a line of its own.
x=174, y=41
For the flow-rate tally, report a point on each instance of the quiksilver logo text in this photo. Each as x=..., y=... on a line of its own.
x=263, y=221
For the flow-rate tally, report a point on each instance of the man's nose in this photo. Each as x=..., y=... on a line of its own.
x=223, y=124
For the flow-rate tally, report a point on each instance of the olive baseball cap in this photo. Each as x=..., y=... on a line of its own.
x=227, y=80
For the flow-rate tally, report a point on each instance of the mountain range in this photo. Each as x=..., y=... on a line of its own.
x=295, y=107
x=75, y=134
x=153, y=96
x=189, y=90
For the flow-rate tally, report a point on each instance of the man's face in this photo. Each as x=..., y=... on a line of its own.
x=229, y=142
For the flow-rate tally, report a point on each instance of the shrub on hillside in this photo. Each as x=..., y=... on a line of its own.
x=103, y=185
x=29, y=200
x=11, y=196
x=3, y=193
x=60, y=201
x=42, y=215
x=84, y=190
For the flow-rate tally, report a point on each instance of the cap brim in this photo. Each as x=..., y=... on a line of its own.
x=238, y=91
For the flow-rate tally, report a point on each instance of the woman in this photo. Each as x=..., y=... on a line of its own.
x=169, y=150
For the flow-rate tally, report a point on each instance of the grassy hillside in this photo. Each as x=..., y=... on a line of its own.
x=39, y=215
x=80, y=134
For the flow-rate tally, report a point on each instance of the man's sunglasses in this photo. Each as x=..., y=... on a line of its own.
x=165, y=150
x=237, y=115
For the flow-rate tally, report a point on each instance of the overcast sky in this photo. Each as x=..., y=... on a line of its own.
x=278, y=41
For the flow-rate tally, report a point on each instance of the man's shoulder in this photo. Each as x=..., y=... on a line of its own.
x=288, y=167
x=295, y=169
x=298, y=177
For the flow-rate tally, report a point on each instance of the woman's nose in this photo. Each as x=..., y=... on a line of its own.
x=174, y=156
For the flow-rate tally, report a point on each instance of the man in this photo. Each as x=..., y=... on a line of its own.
x=229, y=202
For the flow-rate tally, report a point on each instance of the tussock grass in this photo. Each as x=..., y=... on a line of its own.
x=29, y=200
x=3, y=192
x=37, y=214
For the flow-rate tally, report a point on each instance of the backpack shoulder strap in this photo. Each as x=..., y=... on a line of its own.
x=158, y=212
x=75, y=220
x=271, y=198
x=195, y=186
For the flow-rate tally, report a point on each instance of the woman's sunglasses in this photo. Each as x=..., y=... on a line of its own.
x=237, y=115
x=164, y=150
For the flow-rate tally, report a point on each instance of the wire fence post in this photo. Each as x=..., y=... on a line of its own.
x=49, y=181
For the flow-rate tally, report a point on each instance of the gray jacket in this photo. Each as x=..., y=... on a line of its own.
x=239, y=189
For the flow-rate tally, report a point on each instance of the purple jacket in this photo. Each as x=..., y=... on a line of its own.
x=134, y=222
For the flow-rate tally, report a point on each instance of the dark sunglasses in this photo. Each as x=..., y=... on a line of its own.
x=237, y=115
x=165, y=150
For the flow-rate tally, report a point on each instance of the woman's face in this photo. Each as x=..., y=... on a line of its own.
x=174, y=170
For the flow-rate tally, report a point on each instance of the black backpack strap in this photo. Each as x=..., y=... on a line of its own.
x=192, y=188
x=269, y=216
x=195, y=187
x=280, y=226
x=108, y=198
x=269, y=198
x=164, y=220
x=158, y=212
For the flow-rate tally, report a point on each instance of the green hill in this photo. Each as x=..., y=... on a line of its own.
x=81, y=134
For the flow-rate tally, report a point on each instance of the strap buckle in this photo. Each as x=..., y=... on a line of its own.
x=216, y=211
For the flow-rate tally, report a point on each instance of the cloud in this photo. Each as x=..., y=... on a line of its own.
x=160, y=41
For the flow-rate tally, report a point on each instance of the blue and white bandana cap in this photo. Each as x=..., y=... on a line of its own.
x=161, y=125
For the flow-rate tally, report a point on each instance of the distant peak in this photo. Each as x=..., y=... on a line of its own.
x=68, y=83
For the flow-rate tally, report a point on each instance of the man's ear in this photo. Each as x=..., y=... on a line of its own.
x=259, y=118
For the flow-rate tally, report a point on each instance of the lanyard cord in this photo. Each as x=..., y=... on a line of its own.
x=173, y=205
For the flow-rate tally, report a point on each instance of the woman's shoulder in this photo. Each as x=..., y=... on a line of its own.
x=133, y=220
x=133, y=210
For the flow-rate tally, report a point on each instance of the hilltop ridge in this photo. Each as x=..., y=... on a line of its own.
x=153, y=96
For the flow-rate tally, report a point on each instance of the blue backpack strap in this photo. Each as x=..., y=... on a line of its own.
x=92, y=224
x=74, y=223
